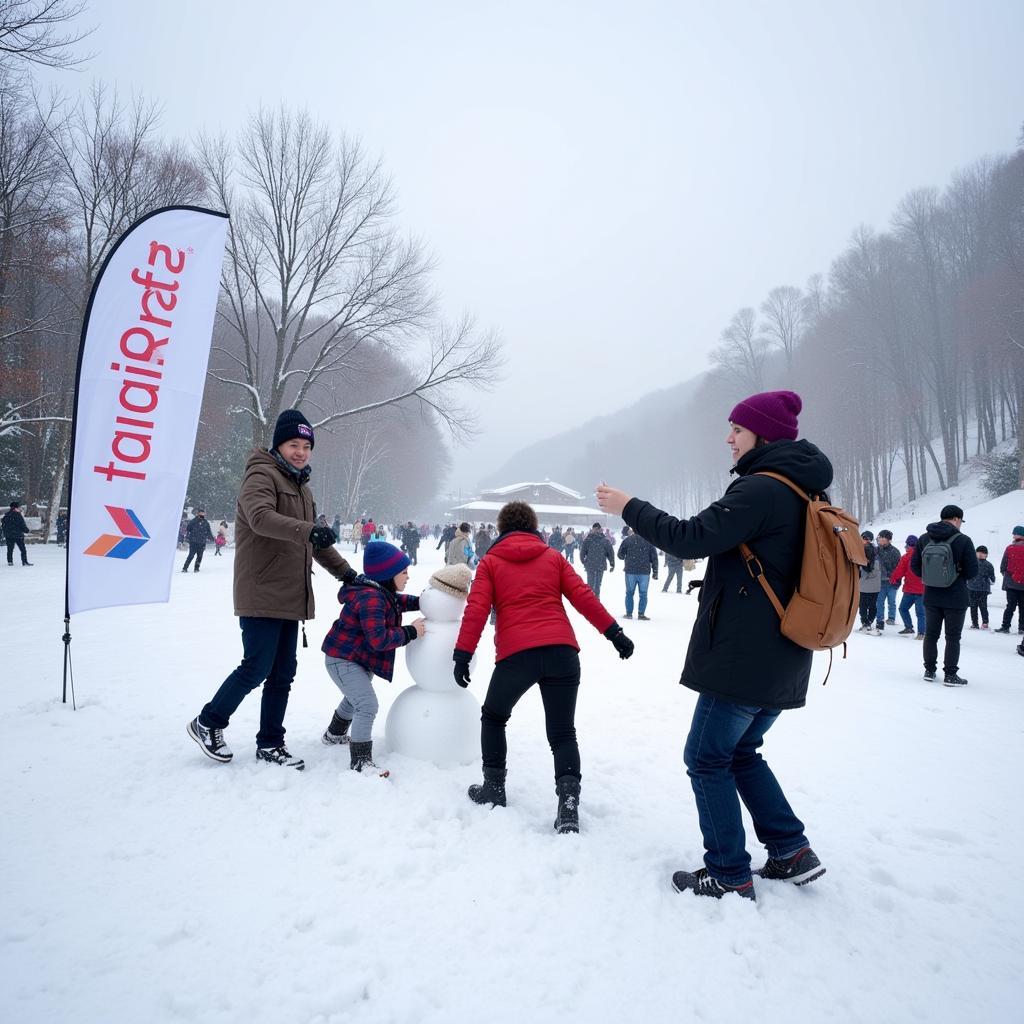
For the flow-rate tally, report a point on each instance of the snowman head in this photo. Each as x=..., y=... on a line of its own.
x=441, y=606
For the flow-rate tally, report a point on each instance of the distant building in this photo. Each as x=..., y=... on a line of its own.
x=555, y=504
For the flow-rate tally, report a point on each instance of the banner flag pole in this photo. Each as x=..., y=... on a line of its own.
x=139, y=384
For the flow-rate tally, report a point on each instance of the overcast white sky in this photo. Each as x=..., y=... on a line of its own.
x=604, y=183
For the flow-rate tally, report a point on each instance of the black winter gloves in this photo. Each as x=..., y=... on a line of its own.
x=619, y=640
x=349, y=576
x=694, y=585
x=322, y=537
x=462, y=660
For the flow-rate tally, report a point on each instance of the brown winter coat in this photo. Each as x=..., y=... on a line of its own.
x=273, y=556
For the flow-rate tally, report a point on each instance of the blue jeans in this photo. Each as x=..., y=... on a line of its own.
x=886, y=593
x=634, y=580
x=915, y=601
x=268, y=657
x=724, y=768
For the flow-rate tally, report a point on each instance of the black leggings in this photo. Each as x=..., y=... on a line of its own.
x=867, y=608
x=556, y=669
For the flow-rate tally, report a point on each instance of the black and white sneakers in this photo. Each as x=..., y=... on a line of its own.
x=700, y=883
x=211, y=741
x=279, y=756
x=953, y=679
x=801, y=868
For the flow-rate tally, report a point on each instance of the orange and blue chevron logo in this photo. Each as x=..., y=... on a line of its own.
x=132, y=536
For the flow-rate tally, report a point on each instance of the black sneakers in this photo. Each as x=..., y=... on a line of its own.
x=929, y=675
x=801, y=868
x=700, y=883
x=952, y=679
x=211, y=741
x=280, y=756
x=643, y=618
x=906, y=632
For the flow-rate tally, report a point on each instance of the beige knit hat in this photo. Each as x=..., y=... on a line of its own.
x=453, y=579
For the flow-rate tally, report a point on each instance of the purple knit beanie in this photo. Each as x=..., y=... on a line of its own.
x=771, y=414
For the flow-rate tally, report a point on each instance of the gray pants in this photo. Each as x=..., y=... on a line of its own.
x=360, y=705
x=594, y=580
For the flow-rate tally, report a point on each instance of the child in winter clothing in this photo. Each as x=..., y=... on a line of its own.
x=980, y=586
x=362, y=643
x=913, y=590
x=222, y=537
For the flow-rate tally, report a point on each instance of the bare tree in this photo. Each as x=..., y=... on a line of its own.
x=40, y=32
x=742, y=351
x=783, y=312
x=317, y=275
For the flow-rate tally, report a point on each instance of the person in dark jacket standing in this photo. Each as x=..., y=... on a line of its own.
x=275, y=544
x=411, y=542
x=980, y=587
x=482, y=542
x=198, y=534
x=14, y=530
x=946, y=607
x=888, y=559
x=870, y=583
x=446, y=537
x=595, y=550
x=744, y=669
x=641, y=560
x=674, y=568
x=525, y=580
x=1012, y=568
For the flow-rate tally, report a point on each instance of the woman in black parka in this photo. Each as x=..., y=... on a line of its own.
x=744, y=669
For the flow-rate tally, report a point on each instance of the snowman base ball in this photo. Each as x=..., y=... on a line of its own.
x=431, y=726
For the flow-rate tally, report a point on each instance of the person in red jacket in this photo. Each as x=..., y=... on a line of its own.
x=913, y=590
x=525, y=581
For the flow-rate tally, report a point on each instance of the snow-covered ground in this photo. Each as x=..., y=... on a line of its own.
x=144, y=882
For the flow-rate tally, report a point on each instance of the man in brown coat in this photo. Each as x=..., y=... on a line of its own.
x=276, y=540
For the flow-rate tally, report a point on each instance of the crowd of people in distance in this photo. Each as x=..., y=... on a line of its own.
x=943, y=576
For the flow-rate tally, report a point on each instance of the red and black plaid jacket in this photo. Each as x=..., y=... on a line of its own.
x=369, y=629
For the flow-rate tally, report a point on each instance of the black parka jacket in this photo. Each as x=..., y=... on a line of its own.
x=737, y=651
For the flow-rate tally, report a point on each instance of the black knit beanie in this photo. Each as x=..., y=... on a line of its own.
x=290, y=424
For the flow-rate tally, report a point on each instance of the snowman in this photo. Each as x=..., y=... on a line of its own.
x=435, y=719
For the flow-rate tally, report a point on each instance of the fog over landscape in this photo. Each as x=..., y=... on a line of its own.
x=603, y=186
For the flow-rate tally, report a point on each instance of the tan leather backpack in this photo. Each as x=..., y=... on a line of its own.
x=823, y=609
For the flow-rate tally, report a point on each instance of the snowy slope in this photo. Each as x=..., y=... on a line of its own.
x=144, y=882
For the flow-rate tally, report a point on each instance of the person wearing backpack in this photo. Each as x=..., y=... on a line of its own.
x=1012, y=568
x=870, y=584
x=739, y=662
x=945, y=560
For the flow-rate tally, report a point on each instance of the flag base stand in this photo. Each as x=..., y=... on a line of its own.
x=69, y=672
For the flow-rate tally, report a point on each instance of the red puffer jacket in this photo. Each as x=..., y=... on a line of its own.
x=913, y=584
x=525, y=580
